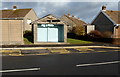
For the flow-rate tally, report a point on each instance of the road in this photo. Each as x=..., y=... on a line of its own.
x=100, y=63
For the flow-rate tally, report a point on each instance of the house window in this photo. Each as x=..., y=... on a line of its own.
x=49, y=20
x=29, y=21
x=55, y=20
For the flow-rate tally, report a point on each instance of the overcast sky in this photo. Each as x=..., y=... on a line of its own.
x=86, y=11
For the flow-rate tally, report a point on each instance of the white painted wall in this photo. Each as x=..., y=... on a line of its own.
x=90, y=28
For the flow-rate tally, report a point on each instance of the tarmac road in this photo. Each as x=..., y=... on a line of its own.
x=101, y=63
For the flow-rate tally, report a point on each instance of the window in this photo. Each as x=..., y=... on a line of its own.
x=55, y=20
x=48, y=20
x=29, y=21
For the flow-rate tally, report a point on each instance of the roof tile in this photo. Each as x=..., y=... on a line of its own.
x=76, y=20
x=18, y=13
x=114, y=15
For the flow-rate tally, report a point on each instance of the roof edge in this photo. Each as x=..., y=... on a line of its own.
x=95, y=17
x=74, y=18
x=16, y=9
x=109, y=18
x=106, y=16
x=11, y=18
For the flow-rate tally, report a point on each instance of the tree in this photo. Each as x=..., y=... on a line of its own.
x=79, y=30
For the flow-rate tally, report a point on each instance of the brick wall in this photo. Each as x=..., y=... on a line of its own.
x=117, y=32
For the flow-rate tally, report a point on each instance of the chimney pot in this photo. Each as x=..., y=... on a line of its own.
x=68, y=14
x=72, y=15
x=14, y=7
x=104, y=8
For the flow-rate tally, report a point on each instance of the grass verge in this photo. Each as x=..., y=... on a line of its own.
x=27, y=42
x=76, y=41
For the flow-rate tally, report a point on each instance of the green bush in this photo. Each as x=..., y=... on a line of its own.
x=27, y=32
x=76, y=41
x=107, y=34
x=96, y=34
x=28, y=37
x=26, y=41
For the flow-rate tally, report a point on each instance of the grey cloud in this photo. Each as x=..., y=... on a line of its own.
x=84, y=10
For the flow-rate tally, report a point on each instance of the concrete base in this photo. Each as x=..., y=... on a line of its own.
x=49, y=43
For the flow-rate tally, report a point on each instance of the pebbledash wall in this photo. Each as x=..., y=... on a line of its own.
x=29, y=17
x=14, y=23
x=11, y=31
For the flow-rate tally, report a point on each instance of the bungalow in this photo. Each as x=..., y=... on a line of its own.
x=71, y=22
x=49, y=29
x=108, y=21
x=14, y=23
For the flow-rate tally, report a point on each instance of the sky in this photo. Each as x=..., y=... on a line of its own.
x=86, y=11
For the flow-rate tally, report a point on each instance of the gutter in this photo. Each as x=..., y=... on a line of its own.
x=117, y=24
x=11, y=18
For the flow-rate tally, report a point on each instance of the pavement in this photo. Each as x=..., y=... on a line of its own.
x=24, y=51
x=58, y=45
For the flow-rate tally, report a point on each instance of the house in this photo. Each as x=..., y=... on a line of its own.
x=14, y=23
x=108, y=22
x=49, y=29
x=71, y=22
x=89, y=28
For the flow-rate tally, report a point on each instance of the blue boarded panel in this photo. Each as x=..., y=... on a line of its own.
x=60, y=32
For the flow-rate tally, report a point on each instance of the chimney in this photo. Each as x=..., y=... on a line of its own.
x=14, y=7
x=68, y=14
x=103, y=8
x=73, y=16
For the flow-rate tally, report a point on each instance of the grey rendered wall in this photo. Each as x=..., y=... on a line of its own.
x=102, y=23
